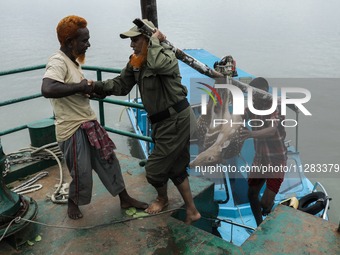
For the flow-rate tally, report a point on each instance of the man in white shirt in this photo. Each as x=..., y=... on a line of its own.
x=84, y=142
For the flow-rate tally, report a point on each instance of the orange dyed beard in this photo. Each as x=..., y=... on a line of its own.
x=138, y=61
x=78, y=57
x=81, y=59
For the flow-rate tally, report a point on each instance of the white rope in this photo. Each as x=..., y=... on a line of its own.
x=28, y=186
x=19, y=219
x=8, y=228
x=242, y=220
x=35, y=150
x=29, y=189
x=56, y=192
x=43, y=151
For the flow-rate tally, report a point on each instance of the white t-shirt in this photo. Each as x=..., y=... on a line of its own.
x=71, y=111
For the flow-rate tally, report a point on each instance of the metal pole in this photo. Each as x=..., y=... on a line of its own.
x=297, y=132
x=133, y=135
x=17, y=100
x=236, y=224
x=149, y=11
x=101, y=104
x=204, y=69
x=326, y=196
x=137, y=110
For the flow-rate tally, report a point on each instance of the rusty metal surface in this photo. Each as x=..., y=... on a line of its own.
x=284, y=231
x=160, y=234
x=289, y=231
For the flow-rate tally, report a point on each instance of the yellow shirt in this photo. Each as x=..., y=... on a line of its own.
x=71, y=111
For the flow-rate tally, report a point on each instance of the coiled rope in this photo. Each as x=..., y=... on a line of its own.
x=28, y=186
x=42, y=153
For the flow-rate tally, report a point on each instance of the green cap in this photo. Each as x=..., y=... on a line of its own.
x=134, y=31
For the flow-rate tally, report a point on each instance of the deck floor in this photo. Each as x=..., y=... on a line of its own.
x=160, y=234
x=284, y=231
x=290, y=231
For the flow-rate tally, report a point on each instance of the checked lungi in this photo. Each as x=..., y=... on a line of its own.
x=81, y=157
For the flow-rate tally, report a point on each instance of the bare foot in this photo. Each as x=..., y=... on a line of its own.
x=133, y=203
x=157, y=205
x=192, y=217
x=126, y=201
x=73, y=210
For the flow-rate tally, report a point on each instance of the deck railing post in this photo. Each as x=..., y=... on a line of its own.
x=137, y=110
x=101, y=103
x=297, y=132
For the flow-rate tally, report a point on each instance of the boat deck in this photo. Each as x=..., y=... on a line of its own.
x=284, y=231
x=162, y=234
x=290, y=231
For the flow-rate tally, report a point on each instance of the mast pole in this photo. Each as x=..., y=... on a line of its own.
x=149, y=11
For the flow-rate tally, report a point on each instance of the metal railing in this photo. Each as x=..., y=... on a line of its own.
x=101, y=102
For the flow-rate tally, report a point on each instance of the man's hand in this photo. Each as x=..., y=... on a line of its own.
x=92, y=95
x=90, y=83
x=245, y=133
x=158, y=34
x=264, y=133
x=86, y=87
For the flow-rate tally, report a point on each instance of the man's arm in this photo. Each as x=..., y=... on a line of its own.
x=245, y=116
x=160, y=60
x=54, y=89
x=269, y=131
x=245, y=133
x=118, y=86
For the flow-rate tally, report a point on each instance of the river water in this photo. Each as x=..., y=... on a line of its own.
x=292, y=43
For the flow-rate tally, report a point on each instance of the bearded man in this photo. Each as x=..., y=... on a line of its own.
x=84, y=142
x=155, y=69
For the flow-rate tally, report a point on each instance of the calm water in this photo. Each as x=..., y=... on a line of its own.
x=279, y=40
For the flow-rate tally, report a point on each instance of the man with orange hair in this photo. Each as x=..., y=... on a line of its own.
x=155, y=69
x=84, y=142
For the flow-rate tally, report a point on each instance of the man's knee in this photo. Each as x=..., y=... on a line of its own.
x=156, y=183
x=180, y=179
x=154, y=176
